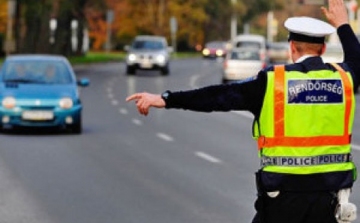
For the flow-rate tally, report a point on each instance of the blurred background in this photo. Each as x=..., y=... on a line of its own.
x=78, y=26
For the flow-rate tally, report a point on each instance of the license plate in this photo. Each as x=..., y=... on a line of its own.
x=146, y=64
x=37, y=115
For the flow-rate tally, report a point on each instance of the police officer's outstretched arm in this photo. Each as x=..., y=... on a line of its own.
x=144, y=101
x=336, y=14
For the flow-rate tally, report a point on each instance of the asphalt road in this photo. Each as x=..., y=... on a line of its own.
x=171, y=166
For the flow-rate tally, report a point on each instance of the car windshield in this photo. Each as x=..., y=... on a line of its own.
x=43, y=72
x=215, y=45
x=245, y=55
x=147, y=45
x=248, y=44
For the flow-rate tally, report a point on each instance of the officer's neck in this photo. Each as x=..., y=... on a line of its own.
x=304, y=57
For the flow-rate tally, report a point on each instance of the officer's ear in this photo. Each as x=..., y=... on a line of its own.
x=323, y=49
x=292, y=47
x=292, y=51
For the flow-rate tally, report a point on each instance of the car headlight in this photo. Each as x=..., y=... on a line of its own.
x=9, y=102
x=66, y=103
x=132, y=57
x=160, y=58
x=206, y=52
x=219, y=53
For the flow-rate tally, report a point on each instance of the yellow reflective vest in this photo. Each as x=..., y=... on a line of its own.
x=306, y=122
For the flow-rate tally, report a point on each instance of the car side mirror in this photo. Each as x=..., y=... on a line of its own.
x=83, y=82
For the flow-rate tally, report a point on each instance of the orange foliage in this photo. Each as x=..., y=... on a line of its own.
x=97, y=28
x=148, y=17
x=3, y=15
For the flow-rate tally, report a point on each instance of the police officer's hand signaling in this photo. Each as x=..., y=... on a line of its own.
x=146, y=100
x=336, y=14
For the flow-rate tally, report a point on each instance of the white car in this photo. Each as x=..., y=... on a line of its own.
x=279, y=52
x=148, y=53
x=242, y=63
x=333, y=54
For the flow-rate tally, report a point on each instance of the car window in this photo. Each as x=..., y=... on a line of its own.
x=147, y=45
x=215, y=45
x=49, y=72
x=245, y=55
x=248, y=44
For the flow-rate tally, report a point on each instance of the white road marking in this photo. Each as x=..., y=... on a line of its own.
x=194, y=79
x=110, y=95
x=137, y=121
x=123, y=111
x=355, y=147
x=114, y=102
x=207, y=157
x=165, y=137
x=109, y=89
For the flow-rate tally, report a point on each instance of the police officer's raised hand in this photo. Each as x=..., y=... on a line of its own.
x=146, y=100
x=336, y=14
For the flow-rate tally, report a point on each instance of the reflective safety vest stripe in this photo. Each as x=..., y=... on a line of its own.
x=314, y=142
x=306, y=161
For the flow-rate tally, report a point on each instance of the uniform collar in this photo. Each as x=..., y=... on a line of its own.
x=301, y=59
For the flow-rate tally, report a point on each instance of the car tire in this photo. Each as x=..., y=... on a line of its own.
x=165, y=70
x=130, y=70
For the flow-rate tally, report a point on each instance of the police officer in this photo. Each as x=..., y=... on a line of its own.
x=303, y=117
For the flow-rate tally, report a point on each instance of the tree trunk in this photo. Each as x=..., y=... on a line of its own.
x=62, y=43
x=32, y=30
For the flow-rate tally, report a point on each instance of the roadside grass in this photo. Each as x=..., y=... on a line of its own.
x=97, y=57
x=101, y=57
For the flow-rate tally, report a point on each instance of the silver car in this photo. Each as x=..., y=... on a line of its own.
x=148, y=53
x=242, y=63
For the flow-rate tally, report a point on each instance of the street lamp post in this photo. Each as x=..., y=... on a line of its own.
x=233, y=23
x=109, y=20
x=74, y=38
x=53, y=26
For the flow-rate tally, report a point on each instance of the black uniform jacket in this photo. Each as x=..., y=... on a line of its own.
x=249, y=95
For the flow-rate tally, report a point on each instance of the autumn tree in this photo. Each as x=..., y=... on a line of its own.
x=220, y=14
x=80, y=13
x=32, y=29
x=153, y=16
x=66, y=12
x=97, y=28
x=31, y=25
x=3, y=15
x=191, y=16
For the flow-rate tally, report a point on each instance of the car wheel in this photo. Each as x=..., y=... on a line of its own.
x=130, y=70
x=165, y=70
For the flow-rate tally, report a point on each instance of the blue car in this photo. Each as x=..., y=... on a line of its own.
x=40, y=91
